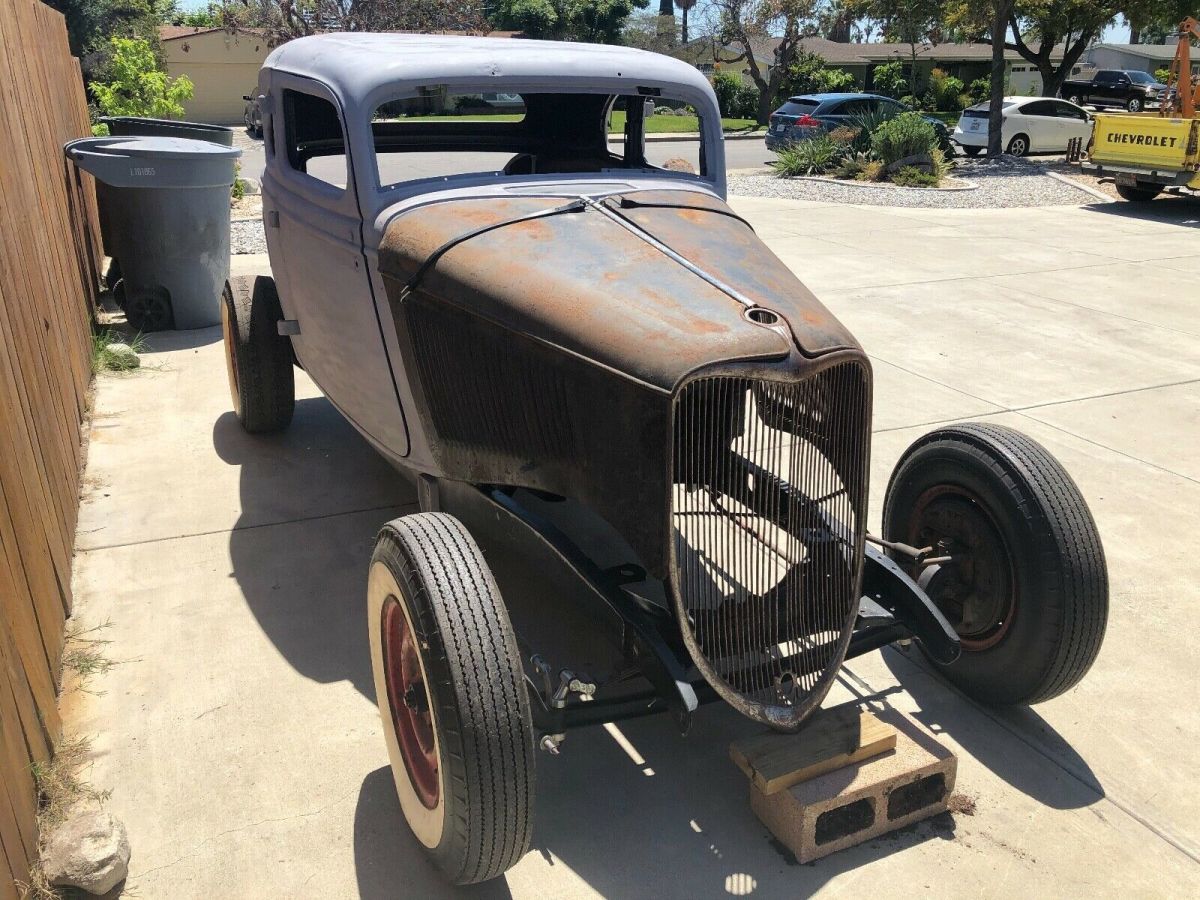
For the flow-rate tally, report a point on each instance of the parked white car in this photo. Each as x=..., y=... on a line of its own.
x=1030, y=125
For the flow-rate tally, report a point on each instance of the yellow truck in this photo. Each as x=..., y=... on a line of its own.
x=1145, y=154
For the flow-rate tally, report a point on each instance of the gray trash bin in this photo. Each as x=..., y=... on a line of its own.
x=166, y=203
x=126, y=126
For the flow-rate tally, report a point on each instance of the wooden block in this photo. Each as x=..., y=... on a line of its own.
x=832, y=739
x=847, y=806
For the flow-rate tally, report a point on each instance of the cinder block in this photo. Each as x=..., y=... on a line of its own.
x=863, y=800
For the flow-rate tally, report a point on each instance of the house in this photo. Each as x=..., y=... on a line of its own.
x=222, y=65
x=965, y=61
x=1135, y=57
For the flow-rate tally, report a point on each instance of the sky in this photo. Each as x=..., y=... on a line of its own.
x=1117, y=34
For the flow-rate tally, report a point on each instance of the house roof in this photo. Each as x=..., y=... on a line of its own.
x=1150, y=51
x=176, y=32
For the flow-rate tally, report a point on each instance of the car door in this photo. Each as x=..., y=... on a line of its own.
x=314, y=229
x=1104, y=87
x=1036, y=120
x=1073, y=122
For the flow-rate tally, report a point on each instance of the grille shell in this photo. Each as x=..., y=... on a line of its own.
x=767, y=516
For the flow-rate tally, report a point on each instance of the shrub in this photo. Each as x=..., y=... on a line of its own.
x=813, y=156
x=866, y=123
x=1162, y=76
x=889, y=79
x=663, y=111
x=909, y=176
x=735, y=98
x=980, y=89
x=845, y=134
x=853, y=166
x=901, y=136
x=134, y=85
x=872, y=171
x=746, y=102
x=943, y=92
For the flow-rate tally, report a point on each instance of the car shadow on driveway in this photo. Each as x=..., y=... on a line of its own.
x=1165, y=209
x=632, y=810
x=312, y=500
x=1064, y=781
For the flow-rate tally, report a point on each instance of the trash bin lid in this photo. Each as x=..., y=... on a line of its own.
x=120, y=126
x=154, y=162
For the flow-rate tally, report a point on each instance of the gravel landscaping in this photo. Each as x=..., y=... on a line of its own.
x=1005, y=182
x=247, y=236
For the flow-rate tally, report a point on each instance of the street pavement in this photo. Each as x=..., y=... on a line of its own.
x=239, y=736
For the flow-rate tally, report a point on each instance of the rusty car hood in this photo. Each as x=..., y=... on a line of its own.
x=632, y=282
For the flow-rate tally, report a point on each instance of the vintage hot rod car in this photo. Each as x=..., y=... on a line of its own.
x=623, y=415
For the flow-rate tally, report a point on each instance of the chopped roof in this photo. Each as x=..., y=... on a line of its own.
x=354, y=65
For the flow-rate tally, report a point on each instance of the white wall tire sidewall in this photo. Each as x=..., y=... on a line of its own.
x=428, y=825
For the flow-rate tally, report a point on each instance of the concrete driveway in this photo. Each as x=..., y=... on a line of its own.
x=239, y=735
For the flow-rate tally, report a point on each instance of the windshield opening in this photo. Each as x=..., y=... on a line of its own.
x=442, y=133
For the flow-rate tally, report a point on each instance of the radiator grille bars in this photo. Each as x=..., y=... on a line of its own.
x=768, y=508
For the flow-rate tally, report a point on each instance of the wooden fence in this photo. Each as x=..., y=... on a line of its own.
x=49, y=256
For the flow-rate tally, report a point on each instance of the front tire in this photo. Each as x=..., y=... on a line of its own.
x=1137, y=194
x=258, y=359
x=1027, y=588
x=452, y=697
x=1134, y=104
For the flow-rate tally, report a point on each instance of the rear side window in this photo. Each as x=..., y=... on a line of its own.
x=316, y=144
x=1039, y=108
x=798, y=107
x=1106, y=77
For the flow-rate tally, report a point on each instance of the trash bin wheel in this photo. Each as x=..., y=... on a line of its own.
x=113, y=274
x=258, y=359
x=145, y=311
x=1026, y=586
x=452, y=697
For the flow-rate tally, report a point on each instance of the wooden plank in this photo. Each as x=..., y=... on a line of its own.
x=832, y=739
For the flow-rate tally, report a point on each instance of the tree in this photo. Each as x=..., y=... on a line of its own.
x=917, y=23
x=1150, y=21
x=809, y=75
x=598, y=21
x=650, y=31
x=987, y=21
x=1038, y=26
x=90, y=23
x=756, y=25
x=135, y=85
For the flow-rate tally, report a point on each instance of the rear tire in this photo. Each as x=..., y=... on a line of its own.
x=452, y=697
x=1028, y=588
x=1137, y=194
x=258, y=359
x=1018, y=146
x=972, y=151
x=1076, y=99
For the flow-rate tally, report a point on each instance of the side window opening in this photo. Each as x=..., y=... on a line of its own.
x=316, y=144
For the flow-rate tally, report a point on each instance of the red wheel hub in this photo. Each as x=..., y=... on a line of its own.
x=408, y=699
x=977, y=592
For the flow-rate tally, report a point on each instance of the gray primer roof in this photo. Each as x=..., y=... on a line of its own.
x=353, y=64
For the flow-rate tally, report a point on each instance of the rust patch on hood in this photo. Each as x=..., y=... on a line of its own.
x=584, y=282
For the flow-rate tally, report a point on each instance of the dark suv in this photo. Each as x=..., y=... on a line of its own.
x=806, y=115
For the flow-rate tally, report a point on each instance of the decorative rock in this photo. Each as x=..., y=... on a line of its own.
x=676, y=164
x=251, y=185
x=90, y=851
x=120, y=357
x=920, y=161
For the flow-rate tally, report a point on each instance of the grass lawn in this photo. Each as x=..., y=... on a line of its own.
x=950, y=118
x=654, y=125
